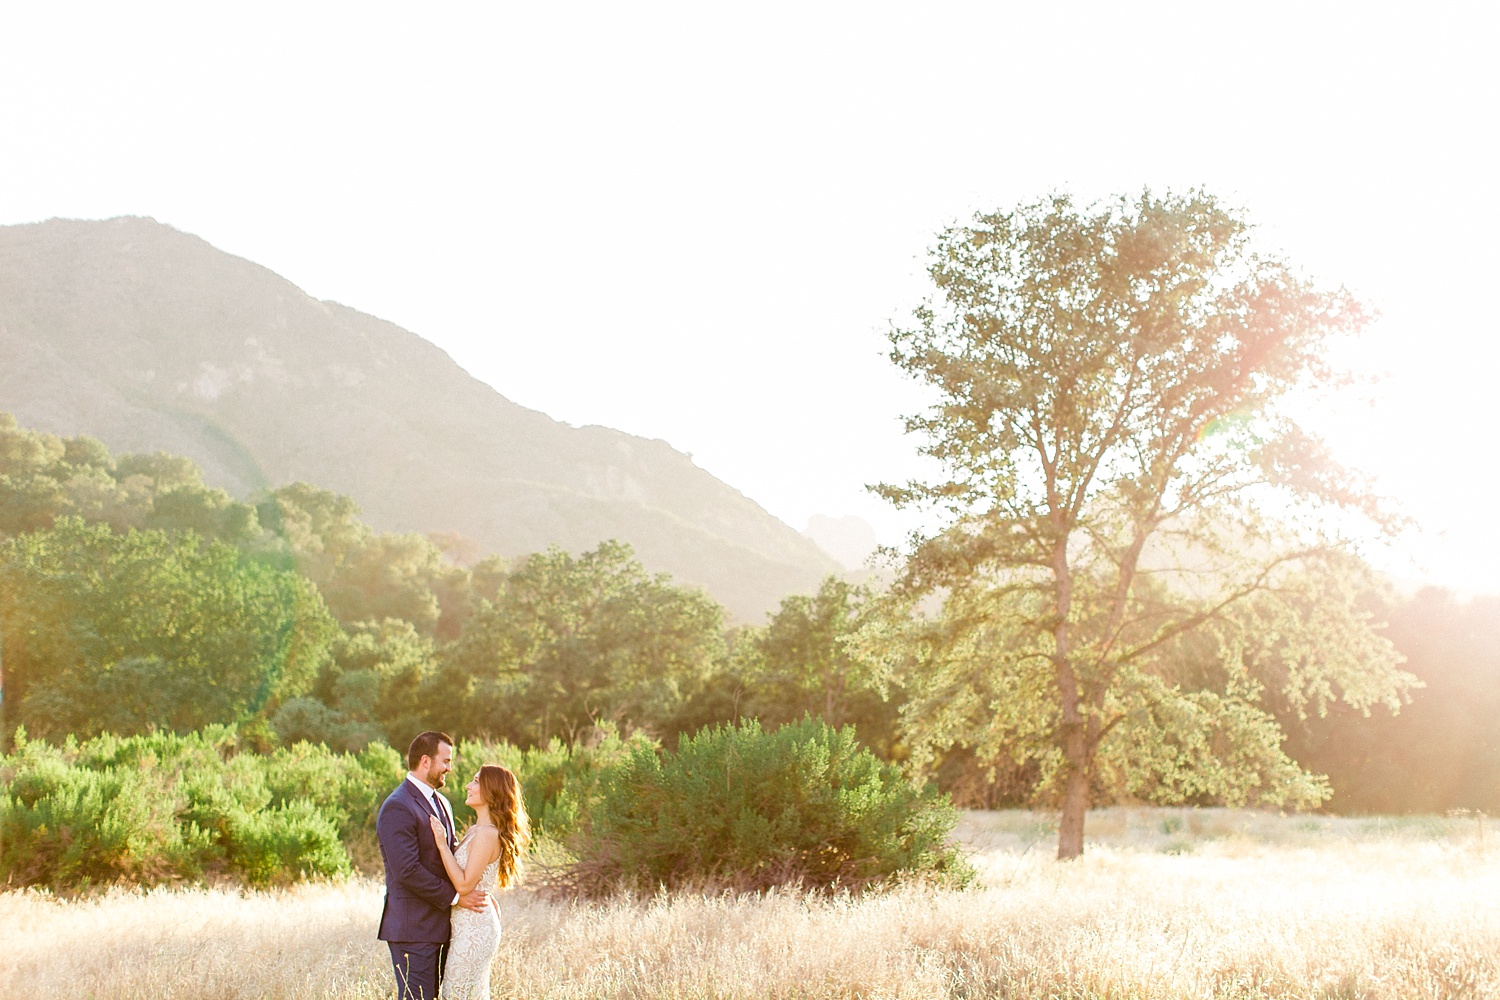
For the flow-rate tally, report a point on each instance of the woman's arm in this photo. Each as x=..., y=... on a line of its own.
x=482, y=850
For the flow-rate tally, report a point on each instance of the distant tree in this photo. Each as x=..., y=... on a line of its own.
x=370, y=689
x=1106, y=383
x=801, y=663
x=570, y=641
x=44, y=477
x=149, y=629
x=207, y=512
x=367, y=576
x=31, y=495
x=722, y=695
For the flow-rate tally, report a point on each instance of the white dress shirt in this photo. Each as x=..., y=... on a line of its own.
x=437, y=802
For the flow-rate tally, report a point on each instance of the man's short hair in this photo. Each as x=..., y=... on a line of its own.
x=425, y=745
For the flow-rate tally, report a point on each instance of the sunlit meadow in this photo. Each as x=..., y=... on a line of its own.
x=1166, y=903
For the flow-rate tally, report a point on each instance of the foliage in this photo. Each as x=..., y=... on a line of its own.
x=66, y=826
x=161, y=807
x=546, y=649
x=562, y=783
x=283, y=843
x=569, y=642
x=371, y=689
x=743, y=807
x=308, y=720
x=347, y=788
x=1441, y=752
x=722, y=694
x=123, y=632
x=1106, y=385
x=44, y=477
x=801, y=663
x=365, y=575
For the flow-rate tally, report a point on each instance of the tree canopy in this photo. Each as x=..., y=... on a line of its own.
x=44, y=477
x=802, y=663
x=126, y=632
x=570, y=641
x=366, y=575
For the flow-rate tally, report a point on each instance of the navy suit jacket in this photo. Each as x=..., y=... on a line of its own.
x=418, y=895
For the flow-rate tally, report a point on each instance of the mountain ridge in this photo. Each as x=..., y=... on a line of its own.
x=151, y=339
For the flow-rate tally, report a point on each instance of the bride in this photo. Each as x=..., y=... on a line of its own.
x=489, y=855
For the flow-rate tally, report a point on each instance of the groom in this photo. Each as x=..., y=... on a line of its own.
x=418, y=895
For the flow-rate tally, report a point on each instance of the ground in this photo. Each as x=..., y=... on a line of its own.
x=1165, y=903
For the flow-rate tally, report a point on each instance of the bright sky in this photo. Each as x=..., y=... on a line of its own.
x=695, y=221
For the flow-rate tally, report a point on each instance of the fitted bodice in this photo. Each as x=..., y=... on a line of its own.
x=491, y=870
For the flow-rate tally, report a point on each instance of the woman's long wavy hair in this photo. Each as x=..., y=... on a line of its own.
x=502, y=795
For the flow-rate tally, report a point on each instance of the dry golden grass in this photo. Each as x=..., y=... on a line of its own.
x=1180, y=903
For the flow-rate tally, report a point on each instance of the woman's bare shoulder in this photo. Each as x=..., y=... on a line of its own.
x=486, y=844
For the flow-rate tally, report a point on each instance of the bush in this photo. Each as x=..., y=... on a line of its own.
x=739, y=807
x=161, y=807
x=347, y=788
x=562, y=783
x=307, y=720
x=293, y=840
x=66, y=826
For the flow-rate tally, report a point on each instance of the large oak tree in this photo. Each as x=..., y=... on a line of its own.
x=1134, y=535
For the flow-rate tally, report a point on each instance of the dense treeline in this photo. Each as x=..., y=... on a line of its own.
x=134, y=598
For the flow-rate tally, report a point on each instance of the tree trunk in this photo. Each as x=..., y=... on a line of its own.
x=1076, y=791
x=1075, y=805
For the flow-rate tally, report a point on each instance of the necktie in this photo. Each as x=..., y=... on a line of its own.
x=443, y=818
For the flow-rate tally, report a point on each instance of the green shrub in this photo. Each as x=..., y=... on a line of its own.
x=308, y=720
x=346, y=787
x=163, y=807
x=562, y=783
x=293, y=840
x=739, y=807
x=65, y=826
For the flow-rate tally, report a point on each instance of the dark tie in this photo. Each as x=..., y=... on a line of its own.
x=443, y=818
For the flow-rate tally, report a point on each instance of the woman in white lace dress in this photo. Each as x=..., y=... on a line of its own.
x=488, y=858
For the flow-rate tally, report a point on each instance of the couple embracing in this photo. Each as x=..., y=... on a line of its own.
x=440, y=920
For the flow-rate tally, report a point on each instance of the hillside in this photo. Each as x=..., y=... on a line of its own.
x=151, y=339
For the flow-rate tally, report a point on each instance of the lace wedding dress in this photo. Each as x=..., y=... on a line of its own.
x=471, y=949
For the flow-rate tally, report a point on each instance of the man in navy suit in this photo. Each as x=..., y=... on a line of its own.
x=418, y=896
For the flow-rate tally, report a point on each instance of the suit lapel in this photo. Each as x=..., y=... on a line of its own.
x=430, y=808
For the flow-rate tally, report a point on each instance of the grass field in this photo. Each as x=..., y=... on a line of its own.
x=1166, y=903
